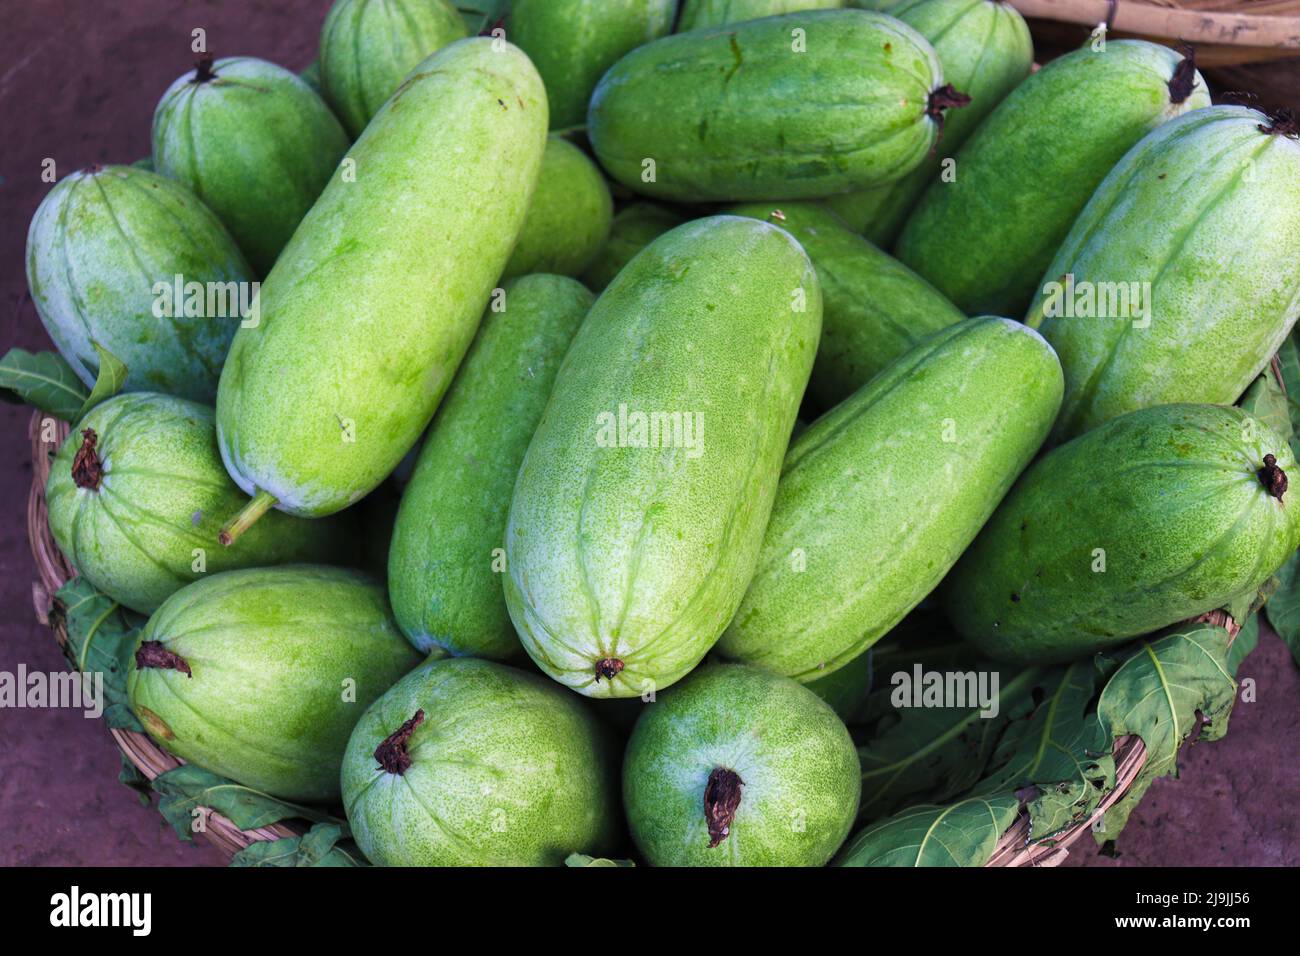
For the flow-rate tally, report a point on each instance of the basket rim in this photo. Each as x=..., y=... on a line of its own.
x=1014, y=847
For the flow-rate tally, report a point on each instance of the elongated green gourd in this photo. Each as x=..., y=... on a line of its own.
x=874, y=308
x=881, y=495
x=986, y=50
x=698, y=14
x=260, y=675
x=137, y=493
x=121, y=256
x=445, y=565
x=367, y=47
x=1152, y=518
x=472, y=763
x=985, y=238
x=641, y=501
x=1168, y=287
x=569, y=218
x=573, y=42
x=372, y=304
x=631, y=231
x=800, y=106
x=253, y=142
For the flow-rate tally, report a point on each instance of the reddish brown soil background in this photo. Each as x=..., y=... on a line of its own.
x=78, y=83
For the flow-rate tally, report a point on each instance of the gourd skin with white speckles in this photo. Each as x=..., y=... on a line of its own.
x=506, y=769
x=163, y=494
x=367, y=47
x=618, y=550
x=882, y=494
x=569, y=218
x=799, y=768
x=874, y=308
x=1150, y=519
x=734, y=113
x=698, y=14
x=1214, y=248
x=1029, y=169
x=374, y=301
x=98, y=246
x=283, y=662
x=443, y=576
x=573, y=42
x=986, y=50
x=255, y=143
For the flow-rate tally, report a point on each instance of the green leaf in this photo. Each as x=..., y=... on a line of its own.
x=322, y=845
x=1284, y=606
x=1157, y=694
x=101, y=640
x=964, y=834
x=1288, y=360
x=1266, y=401
x=130, y=776
x=581, y=859
x=934, y=753
x=1059, y=752
x=187, y=788
x=112, y=374
x=1246, y=641
x=42, y=379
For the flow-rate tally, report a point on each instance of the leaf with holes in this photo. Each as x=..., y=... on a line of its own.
x=188, y=792
x=325, y=844
x=101, y=639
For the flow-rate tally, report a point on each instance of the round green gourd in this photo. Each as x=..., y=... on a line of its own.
x=738, y=767
x=376, y=298
x=104, y=249
x=881, y=495
x=1195, y=219
x=137, y=493
x=874, y=308
x=795, y=107
x=698, y=14
x=445, y=567
x=254, y=143
x=1028, y=170
x=625, y=556
x=367, y=48
x=986, y=50
x=573, y=42
x=632, y=230
x=1155, y=517
x=569, y=218
x=259, y=675
x=470, y=763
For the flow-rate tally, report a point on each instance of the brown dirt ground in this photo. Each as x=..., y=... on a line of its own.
x=78, y=83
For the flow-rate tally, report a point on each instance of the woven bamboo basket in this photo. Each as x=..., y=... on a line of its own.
x=53, y=571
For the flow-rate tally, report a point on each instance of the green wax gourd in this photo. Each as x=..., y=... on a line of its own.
x=137, y=493
x=986, y=50
x=367, y=48
x=569, y=218
x=801, y=106
x=260, y=674
x=128, y=259
x=698, y=14
x=985, y=238
x=1153, y=518
x=1169, y=287
x=641, y=501
x=444, y=566
x=573, y=42
x=882, y=494
x=874, y=308
x=371, y=306
x=254, y=142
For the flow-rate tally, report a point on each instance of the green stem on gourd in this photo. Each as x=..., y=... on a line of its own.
x=260, y=504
